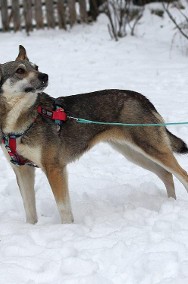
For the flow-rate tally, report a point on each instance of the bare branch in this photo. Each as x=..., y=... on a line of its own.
x=135, y=23
x=120, y=13
x=174, y=21
x=186, y=18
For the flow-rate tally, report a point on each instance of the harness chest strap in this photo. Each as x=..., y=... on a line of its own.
x=10, y=144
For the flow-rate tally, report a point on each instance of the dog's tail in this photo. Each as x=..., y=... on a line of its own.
x=177, y=144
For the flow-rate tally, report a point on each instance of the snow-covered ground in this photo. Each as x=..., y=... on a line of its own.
x=126, y=231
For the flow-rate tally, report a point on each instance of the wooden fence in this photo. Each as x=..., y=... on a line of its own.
x=37, y=14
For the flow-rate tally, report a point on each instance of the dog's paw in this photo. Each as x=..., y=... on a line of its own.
x=67, y=219
x=32, y=220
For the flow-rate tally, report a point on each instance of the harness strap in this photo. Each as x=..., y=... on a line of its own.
x=58, y=114
x=10, y=142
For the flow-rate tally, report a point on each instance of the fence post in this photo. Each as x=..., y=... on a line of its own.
x=72, y=12
x=94, y=11
x=38, y=14
x=50, y=14
x=4, y=15
x=27, y=4
x=16, y=15
x=61, y=14
x=83, y=11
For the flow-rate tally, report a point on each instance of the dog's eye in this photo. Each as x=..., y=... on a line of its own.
x=20, y=71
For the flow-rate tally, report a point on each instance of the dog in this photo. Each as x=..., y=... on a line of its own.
x=39, y=141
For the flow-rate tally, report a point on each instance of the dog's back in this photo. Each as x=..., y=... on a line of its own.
x=114, y=106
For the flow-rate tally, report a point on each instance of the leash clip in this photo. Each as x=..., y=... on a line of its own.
x=58, y=115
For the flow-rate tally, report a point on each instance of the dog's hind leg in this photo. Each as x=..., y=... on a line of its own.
x=168, y=162
x=57, y=178
x=148, y=164
x=25, y=179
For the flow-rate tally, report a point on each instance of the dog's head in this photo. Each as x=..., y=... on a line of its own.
x=21, y=76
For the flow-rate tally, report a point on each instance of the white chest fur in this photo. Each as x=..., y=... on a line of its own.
x=18, y=104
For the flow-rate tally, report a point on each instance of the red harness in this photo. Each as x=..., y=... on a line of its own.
x=10, y=140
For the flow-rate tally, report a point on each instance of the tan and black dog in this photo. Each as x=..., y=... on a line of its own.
x=38, y=140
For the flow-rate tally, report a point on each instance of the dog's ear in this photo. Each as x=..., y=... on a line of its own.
x=22, y=54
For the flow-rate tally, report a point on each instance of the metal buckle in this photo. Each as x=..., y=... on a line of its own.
x=14, y=162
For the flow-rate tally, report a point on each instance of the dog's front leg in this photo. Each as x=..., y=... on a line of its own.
x=25, y=176
x=57, y=178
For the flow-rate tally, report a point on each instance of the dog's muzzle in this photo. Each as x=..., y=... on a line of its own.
x=43, y=78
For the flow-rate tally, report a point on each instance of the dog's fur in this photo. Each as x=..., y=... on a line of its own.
x=20, y=95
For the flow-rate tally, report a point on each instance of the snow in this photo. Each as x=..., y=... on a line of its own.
x=126, y=230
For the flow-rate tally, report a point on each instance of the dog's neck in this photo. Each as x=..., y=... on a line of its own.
x=16, y=116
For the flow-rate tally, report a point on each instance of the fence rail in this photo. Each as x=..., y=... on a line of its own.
x=37, y=14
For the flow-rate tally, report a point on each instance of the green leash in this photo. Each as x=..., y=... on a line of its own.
x=86, y=121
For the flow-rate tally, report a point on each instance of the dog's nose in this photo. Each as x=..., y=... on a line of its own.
x=43, y=77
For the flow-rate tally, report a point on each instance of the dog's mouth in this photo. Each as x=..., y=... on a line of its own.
x=29, y=89
x=41, y=87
